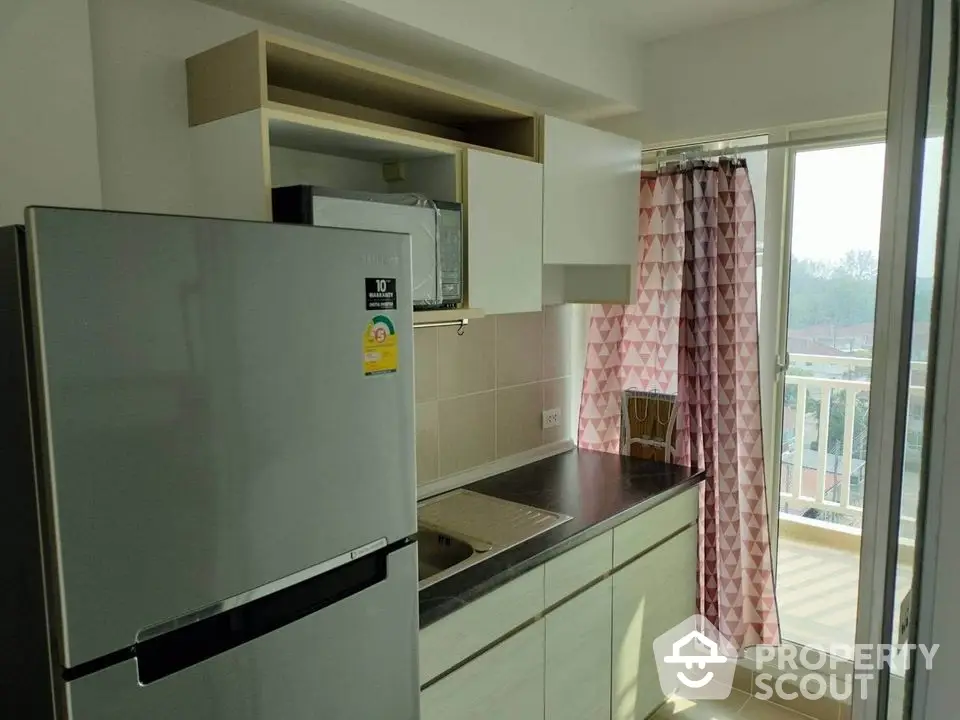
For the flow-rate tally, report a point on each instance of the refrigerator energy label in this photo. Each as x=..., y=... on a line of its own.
x=379, y=347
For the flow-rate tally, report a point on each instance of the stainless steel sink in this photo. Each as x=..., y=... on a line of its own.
x=461, y=528
x=438, y=552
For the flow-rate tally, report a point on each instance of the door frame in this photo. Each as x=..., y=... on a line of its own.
x=893, y=325
x=860, y=132
x=931, y=691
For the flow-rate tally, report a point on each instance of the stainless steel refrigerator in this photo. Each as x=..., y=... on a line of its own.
x=208, y=494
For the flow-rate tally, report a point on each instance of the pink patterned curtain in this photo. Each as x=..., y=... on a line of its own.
x=635, y=346
x=693, y=332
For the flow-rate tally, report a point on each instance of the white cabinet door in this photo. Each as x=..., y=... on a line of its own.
x=504, y=233
x=650, y=595
x=578, y=657
x=505, y=683
x=591, y=195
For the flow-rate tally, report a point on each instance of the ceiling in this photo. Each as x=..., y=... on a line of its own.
x=578, y=58
x=649, y=20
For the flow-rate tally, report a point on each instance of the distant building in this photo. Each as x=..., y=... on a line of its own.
x=840, y=338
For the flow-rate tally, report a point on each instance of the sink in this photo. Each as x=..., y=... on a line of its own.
x=461, y=528
x=437, y=552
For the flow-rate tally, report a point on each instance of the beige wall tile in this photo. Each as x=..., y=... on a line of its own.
x=467, y=362
x=519, y=348
x=518, y=419
x=557, y=326
x=425, y=344
x=556, y=395
x=467, y=432
x=428, y=442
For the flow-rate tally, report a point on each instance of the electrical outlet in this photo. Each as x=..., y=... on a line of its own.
x=551, y=418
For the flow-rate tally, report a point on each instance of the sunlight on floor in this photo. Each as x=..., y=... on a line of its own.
x=817, y=593
x=739, y=706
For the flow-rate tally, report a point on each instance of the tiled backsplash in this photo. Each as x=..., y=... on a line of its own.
x=480, y=396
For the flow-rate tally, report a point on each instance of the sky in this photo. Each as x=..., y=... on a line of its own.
x=838, y=195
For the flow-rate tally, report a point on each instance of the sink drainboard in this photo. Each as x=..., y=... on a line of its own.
x=488, y=524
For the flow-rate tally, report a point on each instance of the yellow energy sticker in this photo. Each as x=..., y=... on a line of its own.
x=379, y=347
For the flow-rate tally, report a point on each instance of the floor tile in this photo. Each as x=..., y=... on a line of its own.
x=680, y=709
x=817, y=593
x=760, y=710
x=739, y=706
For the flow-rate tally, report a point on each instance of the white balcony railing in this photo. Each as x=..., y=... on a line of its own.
x=823, y=478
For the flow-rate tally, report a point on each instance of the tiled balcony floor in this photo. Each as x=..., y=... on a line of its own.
x=817, y=593
x=739, y=706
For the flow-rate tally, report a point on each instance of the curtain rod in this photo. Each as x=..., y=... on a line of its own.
x=677, y=153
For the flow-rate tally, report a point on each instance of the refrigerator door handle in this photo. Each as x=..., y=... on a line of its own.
x=330, y=582
x=260, y=592
x=163, y=650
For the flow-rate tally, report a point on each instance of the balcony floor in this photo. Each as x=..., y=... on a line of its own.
x=817, y=593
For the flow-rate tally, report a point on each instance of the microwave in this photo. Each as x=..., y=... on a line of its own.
x=435, y=229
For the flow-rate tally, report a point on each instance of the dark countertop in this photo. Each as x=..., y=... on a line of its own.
x=600, y=490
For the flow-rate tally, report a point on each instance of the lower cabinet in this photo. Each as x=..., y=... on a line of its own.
x=505, y=683
x=650, y=595
x=591, y=657
x=578, y=661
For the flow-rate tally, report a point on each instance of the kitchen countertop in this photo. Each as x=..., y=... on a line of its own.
x=599, y=490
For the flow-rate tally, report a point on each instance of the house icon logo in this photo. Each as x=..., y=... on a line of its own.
x=695, y=661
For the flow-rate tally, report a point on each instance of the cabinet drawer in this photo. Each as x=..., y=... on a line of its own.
x=650, y=595
x=480, y=623
x=578, y=665
x=505, y=683
x=637, y=535
x=578, y=567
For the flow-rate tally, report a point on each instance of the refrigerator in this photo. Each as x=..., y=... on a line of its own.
x=209, y=497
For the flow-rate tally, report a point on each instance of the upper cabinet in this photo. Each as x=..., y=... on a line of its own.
x=504, y=219
x=591, y=211
x=259, y=70
x=550, y=208
x=269, y=112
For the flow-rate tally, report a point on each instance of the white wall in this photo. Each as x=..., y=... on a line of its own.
x=139, y=48
x=48, y=130
x=813, y=63
x=296, y=167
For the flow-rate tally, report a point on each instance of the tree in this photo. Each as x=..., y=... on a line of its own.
x=840, y=294
x=859, y=265
x=837, y=421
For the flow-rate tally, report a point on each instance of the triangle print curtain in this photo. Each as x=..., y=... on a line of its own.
x=692, y=335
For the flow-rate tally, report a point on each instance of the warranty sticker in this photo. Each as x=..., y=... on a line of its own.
x=379, y=347
x=381, y=293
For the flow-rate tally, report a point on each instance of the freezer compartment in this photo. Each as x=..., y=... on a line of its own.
x=355, y=659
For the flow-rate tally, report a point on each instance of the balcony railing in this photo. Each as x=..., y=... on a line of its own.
x=822, y=474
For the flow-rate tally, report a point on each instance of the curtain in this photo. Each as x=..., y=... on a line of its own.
x=693, y=332
x=635, y=346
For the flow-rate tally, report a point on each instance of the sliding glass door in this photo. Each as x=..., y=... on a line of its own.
x=834, y=195
x=903, y=383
